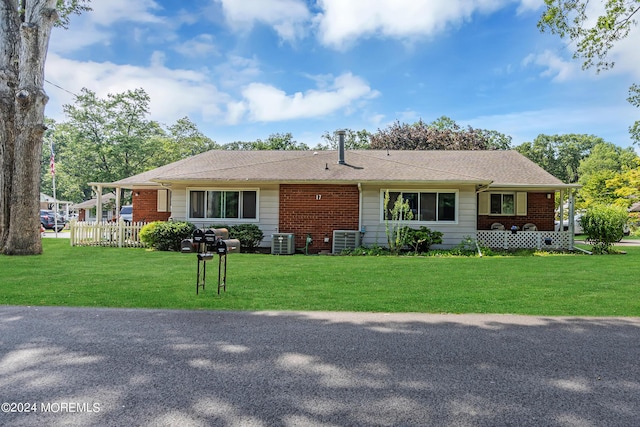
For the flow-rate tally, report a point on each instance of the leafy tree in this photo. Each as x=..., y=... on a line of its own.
x=604, y=226
x=276, y=141
x=626, y=185
x=442, y=134
x=25, y=29
x=605, y=162
x=560, y=155
x=594, y=38
x=105, y=140
x=182, y=139
x=634, y=99
x=353, y=140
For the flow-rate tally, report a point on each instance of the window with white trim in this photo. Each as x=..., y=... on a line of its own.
x=426, y=206
x=502, y=204
x=223, y=204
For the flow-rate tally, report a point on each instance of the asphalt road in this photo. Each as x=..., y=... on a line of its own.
x=111, y=367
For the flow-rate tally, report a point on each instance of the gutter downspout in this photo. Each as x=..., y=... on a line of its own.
x=360, y=226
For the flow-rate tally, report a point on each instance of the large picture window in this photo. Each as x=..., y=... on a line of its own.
x=425, y=206
x=223, y=204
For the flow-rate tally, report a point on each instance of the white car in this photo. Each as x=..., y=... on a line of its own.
x=577, y=226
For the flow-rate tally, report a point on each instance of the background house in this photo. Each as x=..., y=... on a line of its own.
x=315, y=194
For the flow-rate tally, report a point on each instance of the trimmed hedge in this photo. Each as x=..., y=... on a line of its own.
x=166, y=236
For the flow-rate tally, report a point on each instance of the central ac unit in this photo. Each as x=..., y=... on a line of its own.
x=345, y=239
x=283, y=244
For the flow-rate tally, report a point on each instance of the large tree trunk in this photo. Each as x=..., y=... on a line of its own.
x=23, y=50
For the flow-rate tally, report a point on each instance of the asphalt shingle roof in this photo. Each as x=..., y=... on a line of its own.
x=497, y=167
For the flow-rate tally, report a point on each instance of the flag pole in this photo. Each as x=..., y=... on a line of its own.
x=52, y=167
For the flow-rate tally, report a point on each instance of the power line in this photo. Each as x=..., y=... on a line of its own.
x=61, y=88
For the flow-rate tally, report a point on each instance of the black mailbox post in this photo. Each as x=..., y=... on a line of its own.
x=207, y=244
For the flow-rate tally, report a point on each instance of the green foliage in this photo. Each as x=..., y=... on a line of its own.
x=276, y=141
x=442, y=134
x=249, y=235
x=353, y=140
x=592, y=38
x=422, y=239
x=634, y=99
x=599, y=173
x=166, y=235
x=603, y=226
x=560, y=155
x=105, y=140
x=395, y=219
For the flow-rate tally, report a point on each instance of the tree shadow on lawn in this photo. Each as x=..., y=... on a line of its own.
x=192, y=368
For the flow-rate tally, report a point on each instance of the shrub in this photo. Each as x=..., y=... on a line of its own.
x=166, y=236
x=249, y=235
x=420, y=240
x=603, y=225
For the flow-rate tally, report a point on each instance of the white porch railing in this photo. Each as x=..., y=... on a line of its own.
x=499, y=239
x=116, y=234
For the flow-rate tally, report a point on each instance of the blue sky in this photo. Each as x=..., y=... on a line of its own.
x=245, y=69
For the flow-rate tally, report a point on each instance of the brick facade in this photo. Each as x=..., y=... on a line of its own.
x=317, y=209
x=540, y=211
x=145, y=205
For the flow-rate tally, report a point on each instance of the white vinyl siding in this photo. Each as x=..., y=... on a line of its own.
x=453, y=232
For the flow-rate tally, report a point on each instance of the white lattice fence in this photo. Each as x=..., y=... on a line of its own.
x=117, y=234
x=524, y=239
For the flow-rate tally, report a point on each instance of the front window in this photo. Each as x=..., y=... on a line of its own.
x=425, y=206
x=502, y=204
x=219, y=204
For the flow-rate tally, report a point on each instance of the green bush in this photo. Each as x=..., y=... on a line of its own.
x=249, y=235
x=420, y=240
x=166, y=236
x=603, y=225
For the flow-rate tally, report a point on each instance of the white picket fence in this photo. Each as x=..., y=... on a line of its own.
x=117, y=234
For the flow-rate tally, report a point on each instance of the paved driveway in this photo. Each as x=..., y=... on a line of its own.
x=109, y=367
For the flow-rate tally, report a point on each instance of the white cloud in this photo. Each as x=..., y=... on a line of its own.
x=174, y=92
x=529, y=6
x=200, y=46
x=342, y=22
x=288, y=17
x=266, y=103
x=556, y=68
x=105, y=13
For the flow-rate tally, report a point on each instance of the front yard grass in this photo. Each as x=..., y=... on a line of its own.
x=553, y=285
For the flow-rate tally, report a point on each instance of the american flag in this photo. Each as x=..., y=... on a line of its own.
x=52, y=161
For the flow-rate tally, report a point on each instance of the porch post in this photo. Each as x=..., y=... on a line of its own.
x=571, y=220
x=98, y=190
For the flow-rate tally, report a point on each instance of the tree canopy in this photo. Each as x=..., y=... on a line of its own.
x=104, y=140
x=592, y=38
x=442, y=134
x=560, y=155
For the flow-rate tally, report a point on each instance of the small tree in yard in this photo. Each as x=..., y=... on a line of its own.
x=395, y=219
x=604, y=225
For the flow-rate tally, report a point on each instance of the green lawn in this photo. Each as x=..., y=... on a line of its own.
x=540, y=285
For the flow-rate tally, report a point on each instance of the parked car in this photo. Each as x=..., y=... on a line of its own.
x=126, y=213
x=48, y=220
